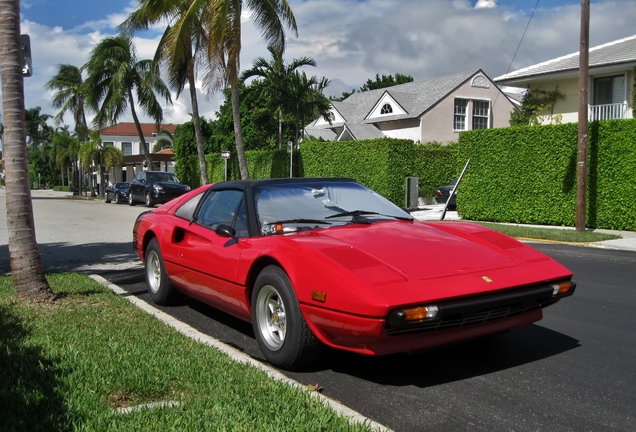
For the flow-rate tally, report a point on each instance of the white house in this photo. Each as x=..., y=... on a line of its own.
x=124, y=136
x=610, y=81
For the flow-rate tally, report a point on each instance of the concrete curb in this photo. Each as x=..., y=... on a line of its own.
x=354, y=416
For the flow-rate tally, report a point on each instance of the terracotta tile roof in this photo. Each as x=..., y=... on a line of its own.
x=129, y=129
x=165, y=151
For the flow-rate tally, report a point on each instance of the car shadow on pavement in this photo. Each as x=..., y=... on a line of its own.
x=455, y=362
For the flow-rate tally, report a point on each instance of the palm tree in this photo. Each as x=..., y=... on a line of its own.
x=179, y=47
x=274, y=82
x=26, y=264
x=95, y=153
x=37, y=129
x=70, y=97
x=224, y=48
x=306, y=100
x=114, y=73
x=66, y=150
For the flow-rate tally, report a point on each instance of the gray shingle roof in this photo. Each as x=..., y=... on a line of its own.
x=415, y=98
x=612, y=53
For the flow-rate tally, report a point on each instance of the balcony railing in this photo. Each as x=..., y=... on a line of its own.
x=608, y=112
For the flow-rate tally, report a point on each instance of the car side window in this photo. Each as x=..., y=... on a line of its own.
x=219, y=207
x=186, y=211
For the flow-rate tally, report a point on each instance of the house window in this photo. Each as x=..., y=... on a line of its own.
x=459, y=122
x=108, y=143
x=609, y=90
x=386, y=109
x=480, y=81
x=481, y=114
x=126, y=148
x=332, y=117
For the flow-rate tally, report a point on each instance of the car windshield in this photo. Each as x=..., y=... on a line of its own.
x=121, y=186
x=304, y=205
x=164, y=177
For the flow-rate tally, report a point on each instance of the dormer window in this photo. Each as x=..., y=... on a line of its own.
x=386, y=109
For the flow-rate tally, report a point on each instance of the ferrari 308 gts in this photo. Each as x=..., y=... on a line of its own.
x=323, y=261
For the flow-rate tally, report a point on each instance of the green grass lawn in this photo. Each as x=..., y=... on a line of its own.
x=71, y=363
x=554, y=234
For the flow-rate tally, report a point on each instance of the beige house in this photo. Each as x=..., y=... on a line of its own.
x=611, y=80
x=433, y=110
x=124, y=136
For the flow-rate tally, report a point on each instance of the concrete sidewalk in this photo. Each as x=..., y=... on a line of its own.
x=627, y=242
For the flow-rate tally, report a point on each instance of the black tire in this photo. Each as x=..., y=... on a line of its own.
x=148, y=201
x=106, y=198
x=281, y=331
x=116, y=200
x=131, y=201
x=159, y=286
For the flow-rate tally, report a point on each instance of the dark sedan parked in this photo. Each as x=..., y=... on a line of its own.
x=441, y=196
x=117, y=193
x=155, y=187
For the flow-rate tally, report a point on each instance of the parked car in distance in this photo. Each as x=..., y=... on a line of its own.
x=314, y=262
x=155, y=187
x=441, y=196
x=118, y=193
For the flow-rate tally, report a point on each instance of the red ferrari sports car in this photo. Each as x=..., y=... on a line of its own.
x=323, y=261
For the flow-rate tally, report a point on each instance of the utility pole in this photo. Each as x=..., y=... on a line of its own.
x=584, y=55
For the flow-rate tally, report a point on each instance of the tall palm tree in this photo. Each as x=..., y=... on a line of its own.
x=70, y=97
x=179, y=47
x=274, y=81
x=114, y=73
x=306, y=100
x=26, y=264
x=224, y=48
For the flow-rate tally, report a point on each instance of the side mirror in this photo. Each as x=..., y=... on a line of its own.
x=225, y=230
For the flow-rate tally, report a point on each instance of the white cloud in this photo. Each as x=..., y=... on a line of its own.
x=352, y=41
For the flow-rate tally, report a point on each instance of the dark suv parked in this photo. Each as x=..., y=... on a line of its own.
x=155, y=187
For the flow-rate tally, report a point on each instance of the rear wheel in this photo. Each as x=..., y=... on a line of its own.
x=159, y=286
x=280, y=328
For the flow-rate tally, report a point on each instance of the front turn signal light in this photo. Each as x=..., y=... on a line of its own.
x=561, y=288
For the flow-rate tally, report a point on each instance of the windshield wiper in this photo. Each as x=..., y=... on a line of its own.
x=358, y=213
x=301, y=220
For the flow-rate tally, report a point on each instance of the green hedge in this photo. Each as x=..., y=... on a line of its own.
x=380, y=164
x=529, y=175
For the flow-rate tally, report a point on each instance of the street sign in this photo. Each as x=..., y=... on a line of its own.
x=27, y=66
x=225, y=154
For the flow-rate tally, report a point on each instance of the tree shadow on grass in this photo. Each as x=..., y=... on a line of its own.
x=31, y=392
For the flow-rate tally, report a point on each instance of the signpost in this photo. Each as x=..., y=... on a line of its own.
x=290, y=150
x=225, y=154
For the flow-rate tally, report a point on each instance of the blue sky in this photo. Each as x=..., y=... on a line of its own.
x=350, y=40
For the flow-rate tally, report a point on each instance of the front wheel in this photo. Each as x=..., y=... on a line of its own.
x=280, y=328
x=159, y=286
x=106, y=198
x=149, y=202
x=117, y=200
x=131, y=201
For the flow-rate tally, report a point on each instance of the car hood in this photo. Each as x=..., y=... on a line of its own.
x=421, y=250
x=170, y=186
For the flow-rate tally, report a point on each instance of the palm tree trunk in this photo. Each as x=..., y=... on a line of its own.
x=142, y=140
x=203, y=166
x=26, y=264
x=238, y=135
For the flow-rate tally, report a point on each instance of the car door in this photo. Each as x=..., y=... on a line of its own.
x=138, y=186
x=210, y=262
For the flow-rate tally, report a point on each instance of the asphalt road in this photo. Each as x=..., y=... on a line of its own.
x=573, y=371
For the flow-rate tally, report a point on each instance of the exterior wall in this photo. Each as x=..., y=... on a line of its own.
x=404, y=129
x=566, y=111
x=437, y=123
